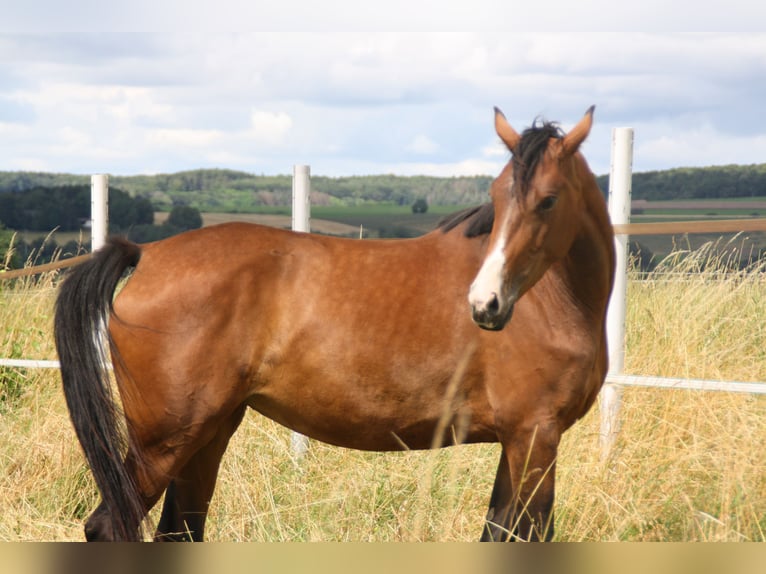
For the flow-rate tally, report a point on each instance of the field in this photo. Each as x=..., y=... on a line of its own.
x=394, y=218
x=369, y=219
x=373, y=220
x=688, y=466
x=694, y=210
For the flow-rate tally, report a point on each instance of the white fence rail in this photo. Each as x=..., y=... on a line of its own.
x=691, y=384
x=29, y=364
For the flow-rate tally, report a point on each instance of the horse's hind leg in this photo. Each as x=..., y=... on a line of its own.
x=521, y=503
x=188, y=496
x=171, y=452
x=98, y=527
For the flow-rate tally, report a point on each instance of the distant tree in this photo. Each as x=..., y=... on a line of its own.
x=67, y=207
x=9, y=207
x=185, y=217
x=420, y=206
x=126, y=211
x=144, y=211
x=146, y=233
x=44, y=209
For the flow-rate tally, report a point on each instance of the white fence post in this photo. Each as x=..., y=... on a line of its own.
x=301, y=198
x=301, y=222
x=99, y=230
x=619, y=211
x=99, y=210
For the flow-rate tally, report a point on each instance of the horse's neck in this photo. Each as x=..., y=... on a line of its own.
x=588, y=269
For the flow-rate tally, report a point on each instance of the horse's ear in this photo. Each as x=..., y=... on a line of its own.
x=577, y=134
x=505, y=131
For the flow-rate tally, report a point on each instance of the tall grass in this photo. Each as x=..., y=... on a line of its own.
x=688, y=465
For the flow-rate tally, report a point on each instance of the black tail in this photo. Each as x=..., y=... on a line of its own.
x=83, y=308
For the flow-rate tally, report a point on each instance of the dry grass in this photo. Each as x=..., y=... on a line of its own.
x=688, y=465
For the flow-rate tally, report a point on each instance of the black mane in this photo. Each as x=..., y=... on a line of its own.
x=479, y=218
x=531, y=147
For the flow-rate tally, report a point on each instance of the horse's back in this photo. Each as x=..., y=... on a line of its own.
x=372, y=331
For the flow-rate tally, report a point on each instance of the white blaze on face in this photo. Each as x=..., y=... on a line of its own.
x=489, y=281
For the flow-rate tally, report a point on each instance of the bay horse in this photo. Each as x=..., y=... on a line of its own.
x=493, y=323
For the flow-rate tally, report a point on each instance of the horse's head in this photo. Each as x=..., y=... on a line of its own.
x=536, y=200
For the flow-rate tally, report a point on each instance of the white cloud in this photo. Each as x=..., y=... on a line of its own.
x=184, y=138
x=337, y=15
x=496, y=149
x=370, y=102
x=29, y=164
x=699, y=146
x=10, y=131
x=269, y=127
x=74, y=139
x=468, y=167
x=422, y=144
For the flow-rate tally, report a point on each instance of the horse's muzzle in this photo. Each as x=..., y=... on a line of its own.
x=490, y=317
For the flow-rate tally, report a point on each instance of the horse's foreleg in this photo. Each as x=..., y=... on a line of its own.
x=188, y=496
x=498, y=515
x=521, y=505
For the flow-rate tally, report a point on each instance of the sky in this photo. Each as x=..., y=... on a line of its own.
x=398, y=87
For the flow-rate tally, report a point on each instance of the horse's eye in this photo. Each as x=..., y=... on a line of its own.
x=547, y=203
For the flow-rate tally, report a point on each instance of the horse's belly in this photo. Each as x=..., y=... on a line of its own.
x=384, y=417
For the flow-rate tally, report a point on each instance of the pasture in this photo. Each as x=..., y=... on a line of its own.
x=343, y=220
x=389, y=220
x=696, y=210
x=688, y=465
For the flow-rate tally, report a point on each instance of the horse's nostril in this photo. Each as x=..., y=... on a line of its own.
x=493, y=305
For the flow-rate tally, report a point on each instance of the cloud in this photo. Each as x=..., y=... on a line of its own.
x=696, y=146
x=161, y=16
x=269, y=127
x=422, y=145
x=12, y=111
x=184, y=138
x=468, y=167
x=371, y=101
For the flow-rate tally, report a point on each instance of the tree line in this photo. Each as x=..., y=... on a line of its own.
x=67, y=208
x=229, y=191
x=48, y=201
x=223, y=190
x=715, y=182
